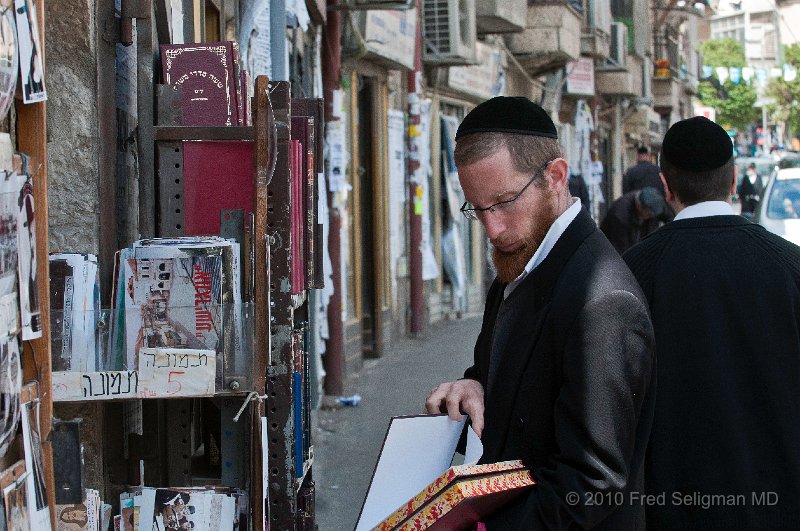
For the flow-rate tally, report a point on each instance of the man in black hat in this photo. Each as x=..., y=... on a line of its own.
x=626, y=220
x=724, y=297
x=565, y=358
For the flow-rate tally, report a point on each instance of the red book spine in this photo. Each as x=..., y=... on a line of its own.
x=298, y=281
x=308, y=205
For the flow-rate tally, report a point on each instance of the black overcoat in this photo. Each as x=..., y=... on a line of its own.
x=573, y=397
x=725, y=300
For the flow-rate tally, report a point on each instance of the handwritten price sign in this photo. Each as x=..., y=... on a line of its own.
x=163, y=373
x=176, y=372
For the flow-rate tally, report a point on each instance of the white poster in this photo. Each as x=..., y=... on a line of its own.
x=337, y=156
x=176, y=21
x=9, y=60
x=430, y=269
x=30, y=56
x=259, y=56
x=397, y=190
x=32, y=443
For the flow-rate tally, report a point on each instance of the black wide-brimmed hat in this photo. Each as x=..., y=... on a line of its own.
x=696, y=144
x=508, y=114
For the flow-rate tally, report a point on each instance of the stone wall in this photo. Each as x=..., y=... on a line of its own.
x=72, y=126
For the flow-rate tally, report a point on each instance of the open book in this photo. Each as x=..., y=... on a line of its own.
x=414, y=486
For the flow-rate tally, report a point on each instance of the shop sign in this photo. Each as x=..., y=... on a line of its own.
x=580, y=77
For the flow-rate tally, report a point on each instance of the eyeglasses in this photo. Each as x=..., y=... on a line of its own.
x=470, y=211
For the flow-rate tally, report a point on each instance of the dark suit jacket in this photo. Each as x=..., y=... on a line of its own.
x=573, y=396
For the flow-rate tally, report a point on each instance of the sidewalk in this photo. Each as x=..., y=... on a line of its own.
x=347, y=441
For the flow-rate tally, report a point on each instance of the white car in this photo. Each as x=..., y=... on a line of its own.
x=779, y=211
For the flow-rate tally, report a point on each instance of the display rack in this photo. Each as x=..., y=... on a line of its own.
x=266, y=386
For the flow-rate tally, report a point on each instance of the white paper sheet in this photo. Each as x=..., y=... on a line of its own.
x=415, y=452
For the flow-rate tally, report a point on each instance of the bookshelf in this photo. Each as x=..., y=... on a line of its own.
x=277, y=310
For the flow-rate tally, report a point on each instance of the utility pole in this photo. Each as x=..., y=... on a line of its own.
x=415, y=206
x=334, y=349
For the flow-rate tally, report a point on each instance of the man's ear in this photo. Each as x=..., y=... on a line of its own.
x=733, y=183
x=670, y=196
x=558, y=173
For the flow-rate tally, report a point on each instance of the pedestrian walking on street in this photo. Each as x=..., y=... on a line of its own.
x=643, y=174
x=627, y=220
x=724, y=297
x=564, y=363
x=750, y=190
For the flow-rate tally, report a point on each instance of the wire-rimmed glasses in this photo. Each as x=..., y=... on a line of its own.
x=470, y=211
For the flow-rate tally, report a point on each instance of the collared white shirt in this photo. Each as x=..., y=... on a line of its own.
x=553, y=234
x=705, y=209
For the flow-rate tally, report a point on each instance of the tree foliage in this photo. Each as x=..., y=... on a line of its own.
x=723, y=52
x=732, y=101
x=784, y=95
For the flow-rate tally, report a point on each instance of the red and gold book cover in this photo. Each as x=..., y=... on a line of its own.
x=460, y=497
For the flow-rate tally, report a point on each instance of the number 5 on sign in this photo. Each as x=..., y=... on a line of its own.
x=177, y=372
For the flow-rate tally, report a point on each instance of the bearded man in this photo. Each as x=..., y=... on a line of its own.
x=564, y=366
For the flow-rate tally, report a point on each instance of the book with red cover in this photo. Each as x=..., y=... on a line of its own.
x=315, y=108
x=461, y=497
x=303, y=129
x=205, y=71
x=216, y=176
x=296, y=194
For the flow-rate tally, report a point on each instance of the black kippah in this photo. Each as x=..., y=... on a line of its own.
x=697, y=144
x=506, y=114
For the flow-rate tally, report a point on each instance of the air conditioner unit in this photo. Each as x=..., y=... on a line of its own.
x=449, y=31
x=619, y=43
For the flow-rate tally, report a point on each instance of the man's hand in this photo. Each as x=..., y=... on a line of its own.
x=455, y=398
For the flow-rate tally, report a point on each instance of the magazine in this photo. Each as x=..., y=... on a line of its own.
x=179, y=293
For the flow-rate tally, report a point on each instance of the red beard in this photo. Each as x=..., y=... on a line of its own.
x=511, y=265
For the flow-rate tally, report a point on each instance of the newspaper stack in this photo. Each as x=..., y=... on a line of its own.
x=198, y=509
